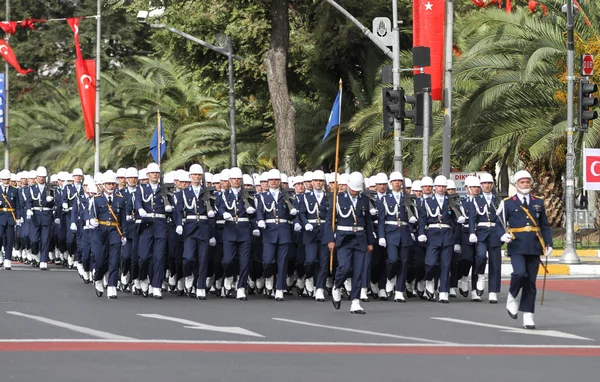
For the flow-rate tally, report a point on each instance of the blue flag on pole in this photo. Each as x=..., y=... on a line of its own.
x=334, y=117
x=154, y=143
x=2, y=98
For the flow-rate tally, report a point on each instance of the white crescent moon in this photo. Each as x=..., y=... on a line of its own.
x=83, y=78
x=76, y=29
x=3, y=51
x=592, y=168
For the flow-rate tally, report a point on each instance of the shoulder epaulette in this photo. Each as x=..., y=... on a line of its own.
x=119, y=195
x=97, y=196
x=537, y=197
x=507, y=198
x=14, y=187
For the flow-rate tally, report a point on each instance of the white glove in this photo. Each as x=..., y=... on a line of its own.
x=227, y=216
x=211, y=214
x=457, y=248
x=412, y=220
x=472, y=238
x=179, y=230
x=256, y=232
x=507, y=238
x=422, y=238
x=250, y=210
x=309, y=227
x=461, y=220
x=142, y=212
x=212, y=242
x=297, y=227
x=128, y=218
x=29, y=214
x=49, y=199
x=93, y=223
x=19, y=222
x=123, y=240
x=549, y=251
x=293, y=212
x=168, y=208
x=56, y=221
x=261, y=224
x=373, y=211
x=73, y=227
x=65, y=206
x=382, y=242
x=412, y=236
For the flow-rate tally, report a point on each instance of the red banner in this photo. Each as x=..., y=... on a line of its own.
x=8, y=54
x=428, y=30
x=86, y=82
x=9, y=27
x=74, y=24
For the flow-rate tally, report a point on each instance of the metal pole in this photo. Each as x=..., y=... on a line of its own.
x=448, y=89
x=97, y=113
x=426, y=129
x=396, y=86
x=231, y=103
x=569, y=255
x=6, y=87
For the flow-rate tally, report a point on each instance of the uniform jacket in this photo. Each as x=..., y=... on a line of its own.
x=43, y=210
x=9, y=200
x=192, y=214
x=101, y=211
x=345, y=218
x=313, y=211
x=482, y=212
x=276, y=215
x=389, y=210
x=235, y=230
x=432, y=213
x=526, y=243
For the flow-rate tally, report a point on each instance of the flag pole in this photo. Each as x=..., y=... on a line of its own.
x=335, y=179
x=159, y=135
x=6, y=147
x=97, y=106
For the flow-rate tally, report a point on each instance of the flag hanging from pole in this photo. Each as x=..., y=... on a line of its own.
x=428, y=30
x=155, y=144
x=2, y=98
x=334, y=117
x=8, y=54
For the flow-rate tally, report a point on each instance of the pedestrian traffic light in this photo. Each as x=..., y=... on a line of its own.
x=410, y=114
x=393, y=104
x=587, y=101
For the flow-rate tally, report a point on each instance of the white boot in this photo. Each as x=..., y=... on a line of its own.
x=375, y=289
x=383, y=295
x=105, y=280
x=172, y=281
x=7, y=264
x=310, y=285
x=329, y=282
x=99, y=288
x=480, y=284
x=348, y=285
x=301, y=283
x=279, y=295
x=493, y=297
x=157, y=292
x=145, y=285
x=189, y=282
x=399, y=297
x=209, y=282
x=452, y=292
x=336, y=294
x=512, y=306
x=320, y=295
x=111, y=292
x=363, y=295
x=125, y=279
x=180, y=284
x=475, y=297
x=443, y=296
x=228, y=283
x=355, y=307
x=528, y=320
x=241, y=294
x=390, y=285
x=260, y=283
x=269, y=282
x=430, y=289
x=44, y=265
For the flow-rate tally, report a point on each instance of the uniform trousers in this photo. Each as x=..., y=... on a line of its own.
x=522, y=279
x=317, y=261
x=397, y=264
x=351, y=263
x=275, y=258
x=495, y=264
x=235, y=252
x=442, y=255
x=106, y=243
x=7, y=237
x=152, y=251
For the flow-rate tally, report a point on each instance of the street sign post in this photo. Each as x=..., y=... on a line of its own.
x=587, y=65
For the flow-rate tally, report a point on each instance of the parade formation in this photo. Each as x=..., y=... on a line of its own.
x=321, y=236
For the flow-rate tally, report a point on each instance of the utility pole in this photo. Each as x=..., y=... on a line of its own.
x=396, y=85
x=6, y=87
x=426, y=129
x=569, y=255
x=231, y=104
x=447, y=132
x=97, y=113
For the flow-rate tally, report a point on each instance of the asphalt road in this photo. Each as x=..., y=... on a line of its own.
x=54, y=328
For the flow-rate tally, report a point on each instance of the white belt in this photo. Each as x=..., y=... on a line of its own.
x=276, y=221
x=68, y=209
x=156, y=216
x=440, y=226
x=396, y=223
x=138, y=221
x=315, y=221
x=350, y=229
x=486, y=224
x=239, y=220
x=42, y=209
x=375, y=221
x=196, y=217
x=220, y=221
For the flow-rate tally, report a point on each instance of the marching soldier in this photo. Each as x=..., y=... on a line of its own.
x=40, y=209
x=69, y=198
x=528, y=237
x=9, y=216
x=80, y=215
x=377, y=263
x=468, y=262
x=129, y=252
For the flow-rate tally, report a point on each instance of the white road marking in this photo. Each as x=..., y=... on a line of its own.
x=363, y=331
x=75, y=328
x=197, y=325
x=508, y=329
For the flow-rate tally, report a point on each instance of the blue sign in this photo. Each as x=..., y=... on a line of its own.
x=2, y=98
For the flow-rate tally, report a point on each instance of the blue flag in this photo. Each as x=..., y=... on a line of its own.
x=2, y=107
x=154, y=143
x=334, y=117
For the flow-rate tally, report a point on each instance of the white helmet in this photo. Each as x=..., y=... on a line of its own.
x=185, y=177
x=468, y=180
x=53, y=178
x=329, y=178
x=299, y=179
x=23, y=174
x=131, y=172
x=178, y=175
x=308, y=176
x=486, y=178
x=121, y=173
x=92, y=189
x=13, y=177
x=208, y=177
x=407, y=183
x=235, y=173
x=521, y=174
x=343, y=179
x=264, y=177
x=274, y=174
x=474, y=182
x=109, y=177
x=355, y=181
x=317, y=175
x=440, y=180
x=98, y=177
x=88, y=180
x=426, y=181
x=284, y=178
x=247, y=179
x=4, y=174
x=62, y=175
x=196, y=169
x=381, y=178
x=143, y=174
x=225, y=175
x=152, y=167
x=41, y=171
x=169, y=177
x=396, y=175
x=416, y=185
x=371, y=181
x=32, y=174
x=292, y=181
x=216, y=178
x=77, y=171
x=451, y=185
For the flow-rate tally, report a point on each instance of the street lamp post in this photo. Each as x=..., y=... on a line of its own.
x=228, y=52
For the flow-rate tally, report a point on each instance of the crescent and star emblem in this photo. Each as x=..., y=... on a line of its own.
x=82, y=79
x=592, y=168
x=3, y=49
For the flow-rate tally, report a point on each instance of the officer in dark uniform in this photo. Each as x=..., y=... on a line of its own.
x=129, y=256
x=529, y=237
x=468, y=249
x=9, y=216
x=377, y=273
x=69, y=197
x=40, y=209
x=352, y=238
x=80, y=215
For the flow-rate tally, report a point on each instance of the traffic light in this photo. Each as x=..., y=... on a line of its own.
x=587, y=101
x=393, y=104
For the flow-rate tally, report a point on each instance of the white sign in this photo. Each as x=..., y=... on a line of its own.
x=459, y=180
x=382, y=28
x=591, y=169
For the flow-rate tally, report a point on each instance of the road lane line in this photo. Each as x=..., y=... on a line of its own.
x=418, y=339
x=75, y=328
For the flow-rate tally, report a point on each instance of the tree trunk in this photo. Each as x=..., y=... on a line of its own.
x=276, y=67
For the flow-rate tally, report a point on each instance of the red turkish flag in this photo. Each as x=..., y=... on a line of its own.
x=74, y=24
x=428, y=30
x=8, y=54
x=9, y=27
x=85, y=70
x=592, y=168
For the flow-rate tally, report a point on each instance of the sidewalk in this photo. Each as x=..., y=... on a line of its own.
x=589, y=266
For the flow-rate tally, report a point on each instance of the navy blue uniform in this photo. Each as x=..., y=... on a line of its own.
x=80, y=214
x=129, y=252
x=9, y=214
x=313, y=211
x=41, y=221
x=69, y=195
x=468, y=261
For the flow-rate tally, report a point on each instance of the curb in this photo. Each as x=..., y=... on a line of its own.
x=561, y=270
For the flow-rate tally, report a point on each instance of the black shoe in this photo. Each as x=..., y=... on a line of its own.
x=112, y=297
x=86, y=281
x=444, y=302
x=144, y=294
x=43, y=269
x=430, y=296
x=242, y=298
x=218, y=292
x=229, y=293
x=299, y=291
x=158, y=297
x=172, y=289
x=513, y=316
x=360, y=311
x=26, y=262
x=479, y=292
x=328, y=290
x=337, y=304
x=529, y=326
x=278, y=298
x=421, y=295
x=201, y=298
x=400, y=300
x=383, y=298
x=251, y=291
x=136, y=291
x=180, y=292
x=98, y=293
